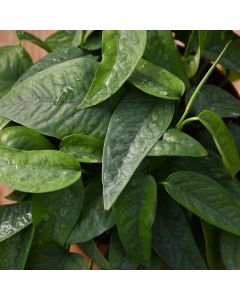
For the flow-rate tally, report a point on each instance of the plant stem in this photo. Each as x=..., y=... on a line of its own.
x=189, y=44
x=199, y=87
x=188, y=121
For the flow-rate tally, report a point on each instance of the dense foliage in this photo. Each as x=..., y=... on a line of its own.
x=124, y=139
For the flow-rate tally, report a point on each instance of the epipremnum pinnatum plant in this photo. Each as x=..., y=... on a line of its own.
x=128, y=139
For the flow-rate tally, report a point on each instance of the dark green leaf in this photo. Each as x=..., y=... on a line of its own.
x=24, y=35
x=122, y=50
x=234, y=128
x=135, y=213
x=14, y=218
x=37, y=171
x=19, y=196
x=136, y=125
x=230, y=250
x=85, y=148
x=156, y=81
x=92, y=40
x=61, y=39
x=206, y=198
x=177, y=143
x=94, y=220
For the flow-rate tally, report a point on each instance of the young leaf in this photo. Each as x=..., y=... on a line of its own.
x=177, y=143
x=122, y=50
x=156, y=81
x=14, y=250
x=223, y=140
x=55, y=214
x=230, y=249
x=37, y=171
x=206, y=198
x=173, y=240
x=50, y=97
x=92, y=40
x=94, y=220
x=14, y=218
x=118, y=258
x=136, y=124
x=215, y=99
x=85, y=148
x=24, y=35
x=23, y=138
x=61, y=39
x=135, y=213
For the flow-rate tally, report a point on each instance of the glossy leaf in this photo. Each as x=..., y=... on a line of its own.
x=122, y=50
x=177, y=143
x=53, y=257
x=215, y=99
x=14, y=250
x=23, y=138
x=14, y=60
x=61, y=39
x=118, y=258
x=37, y=171
x=94, y=220
x=135, y=213
x=223, y=140
x=136, y=125
x=173, y=240
x=55, y=214
x=50, y=97
x=161, y=50
x=156, y=81
x=206, y=198
x=85, y=148
x=230, y=250
x=14, y=218
x=24, y=35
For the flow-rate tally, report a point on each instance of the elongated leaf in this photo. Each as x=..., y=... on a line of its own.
x=206, y=198
x=118, y=258
x=85, y=148
x=135, y=213
x=53, y=257
x=223, y=140
x=54, y=214
x=173, y=240
x=37, y=171
x=50, y=97
x=177, y=143
x=23, y=138
x=3, y=122
x=14, y=218
x=61, y=39
x=136, y=125
x=230, y=250
x=92, y=40
x=122, y=50
x=14, y=250
x=162, y=51
x=215, y=99
x=93, y=220
x=14, y=60
x=24, y=35
x=156, y=81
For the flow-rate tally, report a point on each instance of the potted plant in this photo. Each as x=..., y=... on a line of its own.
x=122, y=146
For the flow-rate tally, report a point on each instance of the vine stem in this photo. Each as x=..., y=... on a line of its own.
x=199, y=87
x=188, y=121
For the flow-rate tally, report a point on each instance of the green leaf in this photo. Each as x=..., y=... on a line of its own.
x=14, y=60
x=230, y=250
x=61, y=39
x=53, y=257
x=19, y=196
x=177, y=143
x=14, y=218
x=24, y=35
x=94, y=220
x=173, y=240
x=3, y=122
x=234, y=128
x=122, y=50
x=118, y=258
x=37, y=171
x=50, y=97
x=55, y=214
x=223, y=140
x=206, y=198
x=23, y=138
x=161, y=50
x=135, y=213
x=14, y=250
x=85, y=148
x=92, y=40
x=91, y=249
x=156, y=81
x=136, y=124
x=214, y=99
